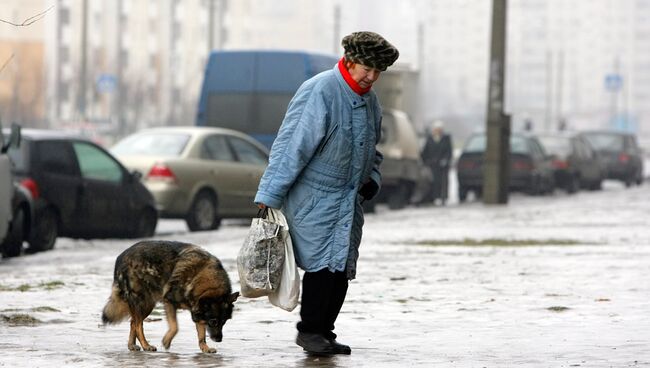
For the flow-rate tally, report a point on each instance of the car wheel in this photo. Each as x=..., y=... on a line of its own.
x=13, y=243
x=535, y=186
x=399, y=198
x=203, y=213
x=146, y=225
x=573, y=185
x=462, y=194
x=46, y=229
x=628, y=182
x=597, y=185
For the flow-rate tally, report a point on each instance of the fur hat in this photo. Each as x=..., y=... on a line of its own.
x=369, y=49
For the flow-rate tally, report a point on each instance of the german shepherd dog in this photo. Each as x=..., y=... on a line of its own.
x=181, y=276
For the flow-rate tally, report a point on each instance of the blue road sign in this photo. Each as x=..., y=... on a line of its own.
x=106, y=83
x=613, y=82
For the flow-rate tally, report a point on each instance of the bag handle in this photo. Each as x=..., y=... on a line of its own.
x=263, y=212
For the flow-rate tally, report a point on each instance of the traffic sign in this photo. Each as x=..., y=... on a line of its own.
x=613, y=82
x=106, y=83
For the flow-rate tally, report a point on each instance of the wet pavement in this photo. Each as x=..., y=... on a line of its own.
x=560, y=281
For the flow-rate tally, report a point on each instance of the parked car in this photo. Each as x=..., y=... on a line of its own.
x=79, y=190
x=11, y=219
x=620, y=154
x=200, y=174
x=404, y=178
x=530, y=166
x=575, y=162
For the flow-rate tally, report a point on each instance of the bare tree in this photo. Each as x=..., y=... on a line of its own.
x=21, y=105
x=29, y=21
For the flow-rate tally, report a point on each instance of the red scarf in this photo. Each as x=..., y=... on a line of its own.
x=351, y=82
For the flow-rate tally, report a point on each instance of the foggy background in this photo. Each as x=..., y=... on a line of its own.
x=108, y=68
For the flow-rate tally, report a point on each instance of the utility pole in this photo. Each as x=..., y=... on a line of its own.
x=548, y=108
x=496, y=168
x=223, y=32
x=337, y=30
x=81, y=96
x=119, y=74
x=559, y=86
x=210, y=25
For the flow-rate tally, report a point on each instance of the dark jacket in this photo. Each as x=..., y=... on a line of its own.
x=437, y=154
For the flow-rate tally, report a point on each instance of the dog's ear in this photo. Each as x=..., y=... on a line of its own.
x=233, y=297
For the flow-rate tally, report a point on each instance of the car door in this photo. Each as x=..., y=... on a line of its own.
x=218, y=159
x=589, y=165
x=103, y=196
x=542, y=163
x=252, y=163
x=56, y=173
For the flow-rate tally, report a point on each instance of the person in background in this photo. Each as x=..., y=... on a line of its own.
x=323, y=165
x=437, y=155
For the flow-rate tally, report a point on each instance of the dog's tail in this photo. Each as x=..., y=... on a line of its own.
x=116, y=309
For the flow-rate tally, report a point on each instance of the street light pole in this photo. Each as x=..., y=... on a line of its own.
x=81, y=96
x=497, y=165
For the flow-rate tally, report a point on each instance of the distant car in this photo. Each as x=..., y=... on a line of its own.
x=200, y=174
x=404, y=177
x=530, y=167
x=79, y=190
x=619, y=153
x=575, y=162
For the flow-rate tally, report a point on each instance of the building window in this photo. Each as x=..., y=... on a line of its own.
x=64, y=16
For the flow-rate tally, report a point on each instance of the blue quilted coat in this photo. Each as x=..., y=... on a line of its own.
x=323, y=153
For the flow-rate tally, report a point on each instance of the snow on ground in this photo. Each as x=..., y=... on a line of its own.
x=426, y=295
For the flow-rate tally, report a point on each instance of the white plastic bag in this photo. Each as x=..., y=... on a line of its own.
x=286, y=296
x=260, y=260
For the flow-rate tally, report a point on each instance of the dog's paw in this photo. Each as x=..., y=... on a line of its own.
x=206, y=349
x=166, y=343
x=134, y=347
x=149, y=348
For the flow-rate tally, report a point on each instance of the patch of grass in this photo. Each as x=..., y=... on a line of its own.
x=558, y=308
x=498, y=242
x=27, y=287
x=51, y=285
x=20, y=319
x=45, y=309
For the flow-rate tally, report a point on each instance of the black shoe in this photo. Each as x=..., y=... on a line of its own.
x=315, y=344
x=340, y=348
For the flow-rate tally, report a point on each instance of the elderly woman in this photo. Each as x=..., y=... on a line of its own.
x=323, y=164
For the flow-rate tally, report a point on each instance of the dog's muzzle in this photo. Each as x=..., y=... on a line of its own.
x=214, y=329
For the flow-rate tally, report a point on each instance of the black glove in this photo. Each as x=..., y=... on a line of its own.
x=369, y=190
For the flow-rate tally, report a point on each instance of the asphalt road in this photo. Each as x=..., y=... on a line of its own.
x=561, y=281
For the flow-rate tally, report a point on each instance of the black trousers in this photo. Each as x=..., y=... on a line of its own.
x=323, y=294
x=440, y=182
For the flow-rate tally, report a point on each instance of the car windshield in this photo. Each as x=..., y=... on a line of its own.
x=477, y=144
x=157, y=144
x=606, y=141
x=556, y=145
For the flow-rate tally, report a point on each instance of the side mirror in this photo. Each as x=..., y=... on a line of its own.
x=14, y=138
x=136, y=175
